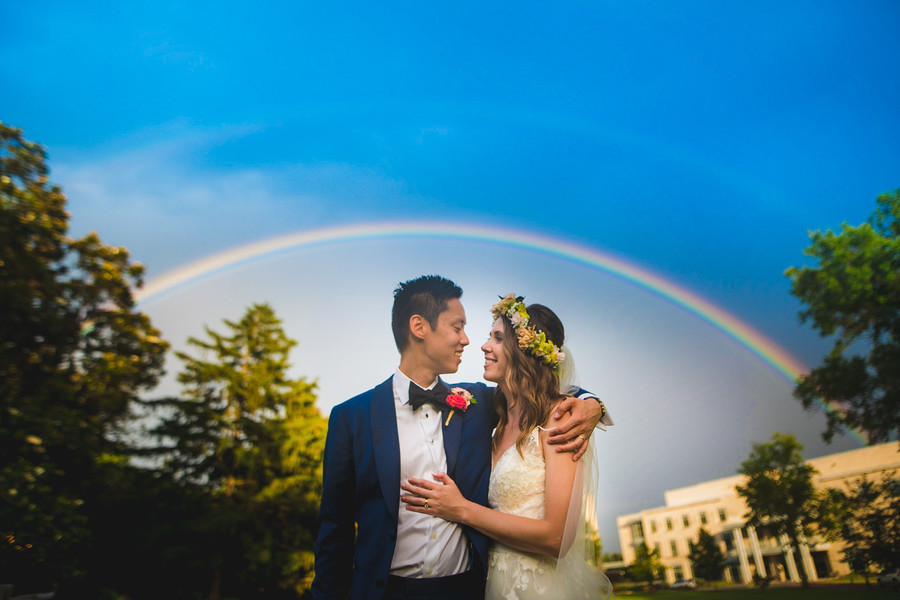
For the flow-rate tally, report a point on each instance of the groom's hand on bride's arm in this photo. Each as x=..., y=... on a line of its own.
x=578, y=418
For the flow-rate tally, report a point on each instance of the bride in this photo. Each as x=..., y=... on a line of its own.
x=542, y=503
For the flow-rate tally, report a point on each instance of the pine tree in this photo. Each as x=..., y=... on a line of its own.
x=253, y=438
x=707, y=560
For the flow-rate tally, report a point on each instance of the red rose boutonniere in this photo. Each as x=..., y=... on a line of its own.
x=458, y=398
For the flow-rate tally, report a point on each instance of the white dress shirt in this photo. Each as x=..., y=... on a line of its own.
x=426, y=546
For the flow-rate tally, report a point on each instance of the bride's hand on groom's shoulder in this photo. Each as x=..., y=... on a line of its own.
x=439, y=498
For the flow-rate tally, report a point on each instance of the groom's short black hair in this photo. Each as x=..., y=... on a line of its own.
x=426, y=296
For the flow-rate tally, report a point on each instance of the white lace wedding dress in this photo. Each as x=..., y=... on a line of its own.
x=517, y=487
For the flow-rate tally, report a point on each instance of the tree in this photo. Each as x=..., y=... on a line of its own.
x=779, y=490
x=74, y=355
x=707, y=560
x=593, y=545
x=609, y=557
x=853, y=293
x=646, y=566
x=870, y=522
x=254, y=439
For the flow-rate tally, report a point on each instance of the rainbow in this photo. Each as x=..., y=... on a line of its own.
x=761, y=346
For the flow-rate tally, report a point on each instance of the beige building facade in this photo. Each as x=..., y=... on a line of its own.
x=749, y=551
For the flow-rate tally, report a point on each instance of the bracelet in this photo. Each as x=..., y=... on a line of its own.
x=602, y=408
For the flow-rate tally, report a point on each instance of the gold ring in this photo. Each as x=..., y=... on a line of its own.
x=426, y=503
x=583, y=438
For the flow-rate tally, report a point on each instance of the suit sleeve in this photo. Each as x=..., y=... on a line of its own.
x=583, y=394
x=335, y=542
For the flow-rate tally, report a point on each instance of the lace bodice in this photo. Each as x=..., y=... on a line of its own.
x=517, y=487
x=517, y=482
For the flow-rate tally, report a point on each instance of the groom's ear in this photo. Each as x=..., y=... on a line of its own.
x=417, y=326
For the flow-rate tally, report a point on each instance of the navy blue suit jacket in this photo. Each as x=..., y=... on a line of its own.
x=361, y=487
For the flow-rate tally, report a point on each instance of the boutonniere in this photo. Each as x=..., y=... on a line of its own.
x=458, y=398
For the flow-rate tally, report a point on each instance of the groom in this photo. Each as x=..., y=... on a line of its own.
x=368, y=546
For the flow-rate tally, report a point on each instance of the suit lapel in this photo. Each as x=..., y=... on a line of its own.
x=386, y=442
x=452, y=436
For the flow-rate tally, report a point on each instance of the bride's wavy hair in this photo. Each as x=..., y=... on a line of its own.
x=527, y=379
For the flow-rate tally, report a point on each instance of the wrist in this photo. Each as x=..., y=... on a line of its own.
x=602, y=407
x=464, y=515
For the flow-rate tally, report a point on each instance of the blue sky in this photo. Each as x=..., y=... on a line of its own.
x=698, y=140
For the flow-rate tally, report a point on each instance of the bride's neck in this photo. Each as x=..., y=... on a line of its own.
x=513, y=412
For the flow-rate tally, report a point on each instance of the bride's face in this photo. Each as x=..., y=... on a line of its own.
x=495, y=360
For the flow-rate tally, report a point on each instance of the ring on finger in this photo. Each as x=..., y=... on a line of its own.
x=584, y=439
x=426, y=503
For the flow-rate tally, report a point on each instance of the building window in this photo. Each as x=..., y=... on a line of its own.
x=703, y=517
x=652, y=526
x=668, y=523
x=678, y=572
x=685, y=521
x=656, y=549
x=637, y=532
x=721, y=514
x=674, y=547
x=728, y=538
x=690, y=547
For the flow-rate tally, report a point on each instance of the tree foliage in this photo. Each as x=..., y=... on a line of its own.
x=74, y=355
x=707, y=559
x=593, y=550
x=237, y=487
x=779, y=490
x=869, y=522
x=253, y=438
x=853, y=294
x=647, y=565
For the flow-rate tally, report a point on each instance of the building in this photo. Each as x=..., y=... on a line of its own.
x=749, y=551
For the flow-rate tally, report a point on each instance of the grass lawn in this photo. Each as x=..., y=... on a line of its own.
x=818, y=591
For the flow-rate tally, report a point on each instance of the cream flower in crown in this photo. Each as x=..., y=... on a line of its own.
x=530, y=340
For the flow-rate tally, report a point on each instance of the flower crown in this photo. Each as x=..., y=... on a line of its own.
x=531, y=340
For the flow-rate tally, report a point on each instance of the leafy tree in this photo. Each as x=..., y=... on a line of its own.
x=609, y=557
x=870, y=522
x=74, y=355
x=853, y=293
x=130, y=499
x=779, y=490
x=253, y=438
x=646, y=566
x=707, y=560
x=593, y=551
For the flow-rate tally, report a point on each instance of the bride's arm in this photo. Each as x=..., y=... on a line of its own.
x=544, y=536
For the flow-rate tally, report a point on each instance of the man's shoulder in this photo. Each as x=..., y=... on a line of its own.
x=466, y=384
x=478, y=390
x=363, y=400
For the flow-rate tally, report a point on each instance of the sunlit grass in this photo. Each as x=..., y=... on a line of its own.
x=819, y=591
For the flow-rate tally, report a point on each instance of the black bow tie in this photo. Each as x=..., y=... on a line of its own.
x=436, y=396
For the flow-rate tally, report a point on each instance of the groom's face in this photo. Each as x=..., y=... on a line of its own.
x=443, y=346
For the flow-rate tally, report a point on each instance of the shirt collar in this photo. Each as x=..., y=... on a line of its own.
x=401, y=386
